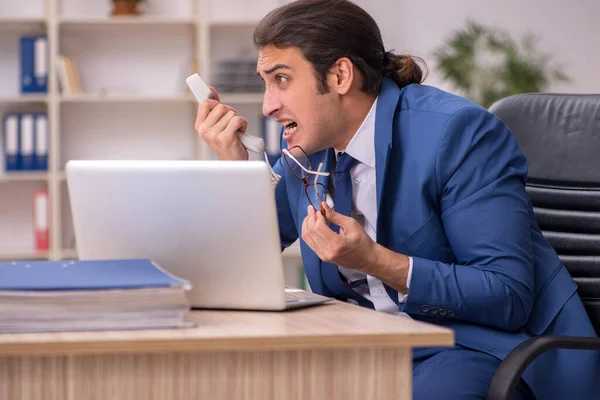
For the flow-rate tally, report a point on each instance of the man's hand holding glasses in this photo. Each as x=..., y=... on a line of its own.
x=351, y=246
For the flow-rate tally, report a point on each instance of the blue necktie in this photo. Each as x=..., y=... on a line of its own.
x=343, y=205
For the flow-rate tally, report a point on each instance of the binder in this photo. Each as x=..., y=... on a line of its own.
x=11, y=142
x=41, y=63
x=40, y=221
x=27, y=142
x=272, y=136
x=86, y=275
x=41, y=142
x=85, y=295
x=34, y=63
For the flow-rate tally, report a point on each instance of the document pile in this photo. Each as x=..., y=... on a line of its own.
x=38, y=296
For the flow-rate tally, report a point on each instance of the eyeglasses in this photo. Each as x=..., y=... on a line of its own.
x=301, y=168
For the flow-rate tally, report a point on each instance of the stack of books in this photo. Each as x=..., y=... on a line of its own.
x=68, y=75
x=41, y=296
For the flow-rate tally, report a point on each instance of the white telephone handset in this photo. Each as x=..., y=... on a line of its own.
x=202, y=92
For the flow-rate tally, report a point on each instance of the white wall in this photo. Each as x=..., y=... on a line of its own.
x=569, y=30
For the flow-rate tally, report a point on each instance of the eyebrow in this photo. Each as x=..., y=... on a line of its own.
x=274, y=68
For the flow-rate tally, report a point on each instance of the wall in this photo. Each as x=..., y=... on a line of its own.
x=570, y=30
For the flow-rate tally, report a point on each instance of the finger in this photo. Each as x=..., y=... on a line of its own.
x=309, y=221
x=323, y=230
x=222, y=124
x=306, y=234
x=217, y=113
x=322, y=236
x=334, y=217
x=204, y=109
x=236, y=124
x=328, y=241
x=215, y=94
x=310, y=217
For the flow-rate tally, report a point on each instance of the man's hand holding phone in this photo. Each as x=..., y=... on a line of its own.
x=217, y=124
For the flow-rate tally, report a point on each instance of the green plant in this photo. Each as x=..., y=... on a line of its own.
x=486, y=64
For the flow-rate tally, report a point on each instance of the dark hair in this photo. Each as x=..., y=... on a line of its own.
x=327, y=30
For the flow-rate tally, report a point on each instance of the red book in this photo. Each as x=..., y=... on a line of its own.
x=40, y=220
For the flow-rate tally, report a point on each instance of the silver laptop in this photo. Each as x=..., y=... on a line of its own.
x=211, y=222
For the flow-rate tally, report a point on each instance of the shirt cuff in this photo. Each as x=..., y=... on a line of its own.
x=410, y=266
x=402, y=296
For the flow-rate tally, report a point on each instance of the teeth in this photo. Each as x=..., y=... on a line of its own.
x=286, y=123
x=290, y=130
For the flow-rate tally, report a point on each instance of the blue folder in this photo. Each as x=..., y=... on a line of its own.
x=85, y=275
x=42, y=142
x=33, y=64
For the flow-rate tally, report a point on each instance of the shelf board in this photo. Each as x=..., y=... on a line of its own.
x=19, y=22
x=229, y=98
x=8, y=255
x=23, y=176
x=123, y=20
x=241, y=98
x=233, y=23
x=24, y=98
x=122, y=98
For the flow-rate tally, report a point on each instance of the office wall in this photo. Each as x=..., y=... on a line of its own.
x=570, y=30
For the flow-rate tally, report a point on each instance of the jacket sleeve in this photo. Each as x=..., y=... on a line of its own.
x=485, y=212
x=288, y=233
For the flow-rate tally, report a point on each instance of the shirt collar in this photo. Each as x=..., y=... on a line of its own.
x=362, y=145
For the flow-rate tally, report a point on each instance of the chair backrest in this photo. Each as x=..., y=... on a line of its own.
x=560, y=135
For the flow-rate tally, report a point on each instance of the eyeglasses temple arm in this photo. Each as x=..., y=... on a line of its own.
x=302, y=166
x=317, y=173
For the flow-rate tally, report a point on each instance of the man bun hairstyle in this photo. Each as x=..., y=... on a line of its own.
x=327, y=30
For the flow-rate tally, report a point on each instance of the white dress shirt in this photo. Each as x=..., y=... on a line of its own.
x=364, y=210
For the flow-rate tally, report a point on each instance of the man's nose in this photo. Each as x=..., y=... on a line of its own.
x=271, y=104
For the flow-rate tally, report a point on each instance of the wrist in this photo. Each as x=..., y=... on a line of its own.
x=390, y=267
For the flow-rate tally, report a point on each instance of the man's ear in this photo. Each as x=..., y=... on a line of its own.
x=343, y=75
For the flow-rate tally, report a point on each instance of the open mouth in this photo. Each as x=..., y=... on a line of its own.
x=290, y=128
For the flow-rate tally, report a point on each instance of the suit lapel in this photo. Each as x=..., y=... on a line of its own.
x=387, y=104
x=384, y=126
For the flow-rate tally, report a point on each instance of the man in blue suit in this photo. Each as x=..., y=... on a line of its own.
x=430, y=216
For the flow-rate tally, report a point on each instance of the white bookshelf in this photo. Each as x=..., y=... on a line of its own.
x=134, y=105
x=31, y=98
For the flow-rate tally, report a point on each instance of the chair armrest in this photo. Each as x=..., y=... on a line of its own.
x=512, y=367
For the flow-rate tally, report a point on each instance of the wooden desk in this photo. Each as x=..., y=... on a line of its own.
x=333, y=351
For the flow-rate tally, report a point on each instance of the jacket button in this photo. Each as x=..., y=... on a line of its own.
x=443, y=311
x=433, y=310
x=451, y=313
x=425, y=308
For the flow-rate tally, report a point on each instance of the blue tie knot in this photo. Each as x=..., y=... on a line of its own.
x=344, y=163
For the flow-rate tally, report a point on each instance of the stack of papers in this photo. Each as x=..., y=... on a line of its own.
x=38, y=296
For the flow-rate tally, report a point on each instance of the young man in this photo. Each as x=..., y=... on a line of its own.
x=430, y=216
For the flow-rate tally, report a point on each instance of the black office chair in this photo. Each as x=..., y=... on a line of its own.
x=560, y=135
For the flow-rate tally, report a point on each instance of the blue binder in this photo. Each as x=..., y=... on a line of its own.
x=27, y=142
x=85, y=275
x=42, y=141
x=11, y=141
x=34, y=63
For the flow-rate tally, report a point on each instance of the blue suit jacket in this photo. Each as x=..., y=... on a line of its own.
x=451, y=193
